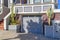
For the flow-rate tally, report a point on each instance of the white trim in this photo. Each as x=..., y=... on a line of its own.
x=5, y=20
x=30, y=12
x=55, y=11
x=4, y=24
x=29, y=5
x=7, y=15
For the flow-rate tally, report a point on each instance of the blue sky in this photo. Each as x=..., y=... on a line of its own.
x=59, y=4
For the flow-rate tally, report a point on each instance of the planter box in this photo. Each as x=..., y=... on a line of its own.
x=15, y=28
x=49, y=31
x=52, y=31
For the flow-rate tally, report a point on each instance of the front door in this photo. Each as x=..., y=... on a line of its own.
x=32, y=24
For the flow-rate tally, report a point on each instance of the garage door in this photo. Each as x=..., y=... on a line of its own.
x=32, y=24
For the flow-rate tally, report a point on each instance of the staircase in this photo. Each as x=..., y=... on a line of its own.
x=2, y=25
x=4, y=13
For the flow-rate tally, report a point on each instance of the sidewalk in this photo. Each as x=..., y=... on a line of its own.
x=8, y=34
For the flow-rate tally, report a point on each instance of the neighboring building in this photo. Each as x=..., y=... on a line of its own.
x=3, y=12
x=30, y=12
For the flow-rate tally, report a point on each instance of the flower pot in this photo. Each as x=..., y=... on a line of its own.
x=15, y=28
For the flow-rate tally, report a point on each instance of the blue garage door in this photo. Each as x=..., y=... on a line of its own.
x=32, y=24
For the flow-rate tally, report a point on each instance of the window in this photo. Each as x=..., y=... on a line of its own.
x=37, y=1
x=16, y=1
x=47, y=1
x=56, y=1
x=56, y=6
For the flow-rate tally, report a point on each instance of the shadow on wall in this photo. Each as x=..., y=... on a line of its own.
x=35, y=27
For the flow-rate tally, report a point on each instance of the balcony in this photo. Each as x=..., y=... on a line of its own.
x=32, y=8
x=32, y=2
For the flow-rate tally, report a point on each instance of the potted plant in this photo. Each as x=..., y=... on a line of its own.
x=48, y=29
x=14, y=23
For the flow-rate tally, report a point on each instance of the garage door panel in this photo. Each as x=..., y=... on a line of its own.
x=32, y=24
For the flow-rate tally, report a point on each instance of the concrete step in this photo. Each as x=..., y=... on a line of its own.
x=1, y=28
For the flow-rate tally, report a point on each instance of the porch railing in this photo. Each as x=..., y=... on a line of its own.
x=32, y=8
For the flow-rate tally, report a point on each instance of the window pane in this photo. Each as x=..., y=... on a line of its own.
x=45, y=1
x=56, y=6
x=37, y=1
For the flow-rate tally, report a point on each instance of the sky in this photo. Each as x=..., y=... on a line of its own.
x=58, y=4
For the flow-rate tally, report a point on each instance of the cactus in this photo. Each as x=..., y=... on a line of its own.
x=49, y=14
x=12, y=16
